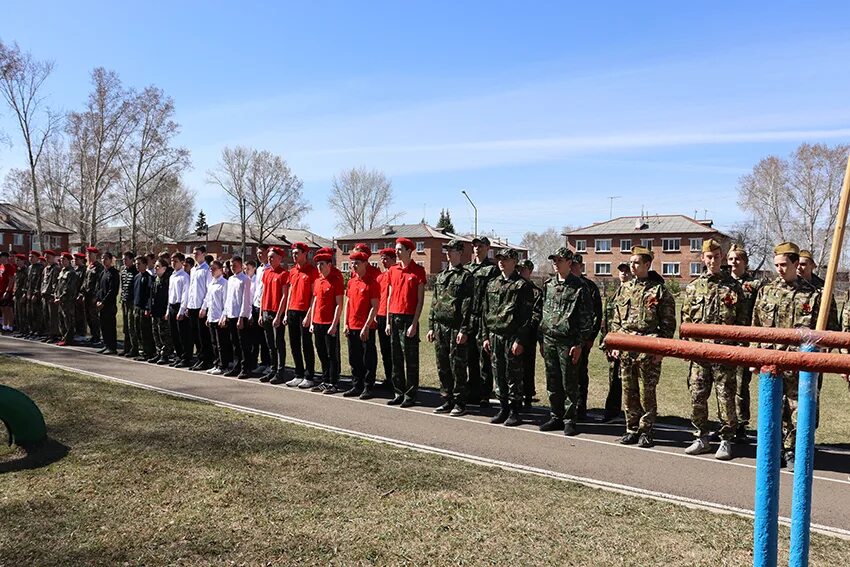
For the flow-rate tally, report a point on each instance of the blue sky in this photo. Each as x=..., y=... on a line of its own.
x=540, y=110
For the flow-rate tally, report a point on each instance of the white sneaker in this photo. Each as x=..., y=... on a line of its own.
x=215, y=371
x=306, y=384
x=699, y=446
x=724, y=453
x=294, y=382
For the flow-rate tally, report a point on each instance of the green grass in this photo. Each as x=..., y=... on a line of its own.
x=132, y=477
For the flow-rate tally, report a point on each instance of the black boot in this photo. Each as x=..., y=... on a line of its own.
x=503, y=414
x=514, y=417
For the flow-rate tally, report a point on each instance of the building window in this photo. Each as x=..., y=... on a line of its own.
x=646, y=243
x=18, y=239
x=345, y=266
x=188, y=250
x=225, y=248
x=696, y=244
x=420, y=246
x=626, y=245
x=671, y=244
x=602, y=268
x=345, y=248
x=375, y=248
x=375, y=264
x=696, y=268
x=670, y=269
x=581, y=245
x=602, y=245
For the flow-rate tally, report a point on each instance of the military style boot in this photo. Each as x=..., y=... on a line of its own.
x=514, y=417
x=503, y=414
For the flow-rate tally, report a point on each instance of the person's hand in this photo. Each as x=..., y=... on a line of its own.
x=486, y=345
x=165, y=317
x=430, y=336
x=180, y=316
x=202, y=314
x=222, y=324
x=285, y=319
x=55, y=301
x=517, y=349
x=346, y=329
x=364, y=334
x=615, y=354
x=99, y=304
x=240, y=323
x=461, y=338
x=333, y=330
x=412, y=329
x=276, y=322
x=388, y=329
x=307, y=324
x=575, y=353
x=312, y=329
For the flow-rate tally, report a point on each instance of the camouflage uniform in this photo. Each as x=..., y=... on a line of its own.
x=21, y=290
x=529, y=357
x=642, y=307
x=89, y=291
x=614, y=400
x=67, y=286
x=79, y=304
x=583, y=373
x=450, y=315
x=50, y=310
x=480, y=362
x=787, y=305
x=567, y=320
x=508, y=309
x=35, y=274
x=716, y=299
x=750, y=286
x=833, y=325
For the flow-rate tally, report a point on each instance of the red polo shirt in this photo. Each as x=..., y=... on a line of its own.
x=273, y=282
x=360, y=293
x=301, y=286
x=326, y=290
x=383, y=280
x=405, y=283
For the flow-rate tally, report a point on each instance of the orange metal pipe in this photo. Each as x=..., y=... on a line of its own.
x=741, y=334
x=730, y=355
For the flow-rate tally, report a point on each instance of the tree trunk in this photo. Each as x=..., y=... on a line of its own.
x=39, y=233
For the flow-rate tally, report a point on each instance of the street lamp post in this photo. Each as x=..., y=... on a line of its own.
x=474, y=208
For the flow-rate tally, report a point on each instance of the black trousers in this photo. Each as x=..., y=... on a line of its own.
x=223, y=346
x=276, y=339
x=256, y=346
x=386, y=348
x=126, y=308
x=200, y=336
x=363, y=358
x=327, y=347
x=109, y=326
x=301, y=344
x=238, y=339
x=176, y=329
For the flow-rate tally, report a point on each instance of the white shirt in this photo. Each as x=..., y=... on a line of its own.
x=178, y=285
x=237, y=302
x=198, y=281
x=258, y=285
x=214, y=301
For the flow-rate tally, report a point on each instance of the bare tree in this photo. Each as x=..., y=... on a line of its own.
x=17, y=188
x=56, y=174
x=541, y=244
x=167, y=213
x=361, y=199
x=98, y=136
x=150, y=160
x=755, y=240
x=274, y=195
x=231, y=175
x=21, y=82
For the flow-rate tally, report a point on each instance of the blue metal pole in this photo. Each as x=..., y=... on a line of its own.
x=766, y=526
x=804, y=453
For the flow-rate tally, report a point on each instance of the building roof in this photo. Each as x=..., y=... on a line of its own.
x=402, y=231
x=20, y=220
x=118, y=233
x=231, y=232
x=656, y=224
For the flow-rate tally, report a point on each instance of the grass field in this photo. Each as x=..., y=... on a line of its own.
x=131, y=477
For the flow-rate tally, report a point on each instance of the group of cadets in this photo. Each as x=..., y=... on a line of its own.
x=487, y=321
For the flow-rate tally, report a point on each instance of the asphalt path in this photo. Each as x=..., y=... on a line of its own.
x=593, y=458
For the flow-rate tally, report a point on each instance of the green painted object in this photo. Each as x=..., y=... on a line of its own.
x=22, y=417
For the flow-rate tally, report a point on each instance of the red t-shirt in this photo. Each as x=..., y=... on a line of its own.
x=405, y=283
x=361, y=292
x=8, y=275
x=383, y=280
x=326, y=290
x=301, y=286
x=273, y=282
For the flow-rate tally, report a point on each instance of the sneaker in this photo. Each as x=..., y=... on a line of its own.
x=295, y=382
x=280, y=378
x=570, y=429
x=351, y=392
x=699, y=446
x=447, y=407
x=789, y=460
x=367, y=394
x=724, y=452
x=554, y=424
x=244, y=375
x=164, y=360
x=61, y=343
x=307, y=384
x=110, y=351
x=318, y=388
x=629, y=438
x=396, y=401
x=215, y=371
x=153, y=359
x=101, y=351
x=645, y=440
x=458, y=411
x=330, y=389
x=141, y=358
x=268, y=376
x=514, y=419
x=407, y=403
x=233, y=372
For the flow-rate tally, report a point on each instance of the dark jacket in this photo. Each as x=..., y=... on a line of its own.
x=159, y=295
x=107, y=288
x=142, y=290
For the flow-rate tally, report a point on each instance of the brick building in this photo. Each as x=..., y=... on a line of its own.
x=676, y=241
x=224, y=239
x=116, y=239
x=17, y=231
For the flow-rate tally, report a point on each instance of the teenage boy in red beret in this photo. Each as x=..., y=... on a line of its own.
x=388, y=260
x=302, y=276
x=276, y=289
x=94, y=271
x=361, y=309
x=405, y=297
x=324, y=315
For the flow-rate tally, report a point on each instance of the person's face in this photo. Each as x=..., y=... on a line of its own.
x=199, y=256
x=33, y=259
x=216, y=271
x=275, y=260
x=50, y=259
x=175, y=263
x=106, y=261
x=324, y=267
x=298, y=256
x=805, y=268
x=186, y=266
x=624, y=275
x=640, y=269
x=128, y=261
x=525, y=273
x=712, y=260
x=402, y=252
x=480, y=250
x=262, y=255
x=786, y=269
x=507, y=265
x=140, y=266
x=737, y=263
x=250, y=270
x=92, y=257
x=360, y=267
x=562, y=266
x=236, y=266
x=66, y=263
x=387, y=261
x=453, y=257
x=160, y=269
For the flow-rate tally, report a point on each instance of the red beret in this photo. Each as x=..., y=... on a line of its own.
x=79, y=255
x=406, y=242
x=325, y=250
x=49, y=253
x=363, y=247
x=42, y=259
x=67, y=255
x=278, y=251
x=300, y=246
x=359, y=255
x=92, y=249
x=35, y=253
x=388, y=252
x=21, y=256
x=322, y=258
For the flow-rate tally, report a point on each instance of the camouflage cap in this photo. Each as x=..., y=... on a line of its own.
x=526, y=265
x=561, y=252
x=482, y=240
x=453, y=244
x=578, y=259
x=710, y=245
x=508, y=253
x=806, y=254
x=786, y=248
x=642, y=251
x=623, y=266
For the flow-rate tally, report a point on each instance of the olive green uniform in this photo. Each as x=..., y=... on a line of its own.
x=750, y=285
x=584, y=361
x=67, y=286
x=50, y=310
x=35, y=273
x=89, y=290
x=480, y=362
x=20, y=297
x=450, y=314
x=529, y=356
x=614, y=399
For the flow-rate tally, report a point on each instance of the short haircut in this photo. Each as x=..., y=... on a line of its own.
x=164, y=254
x=200, y=248
x=209, y=258
x=262, y=246
x=161, y=261
x=142, y=259
x=251, y=263
x=189, y=261
x=179, y=255
x=217, y=264
x=236, y=259
x=130, y=255
x=107, y=254
x=793, y=258
x=151, y=256
x=645, y=258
